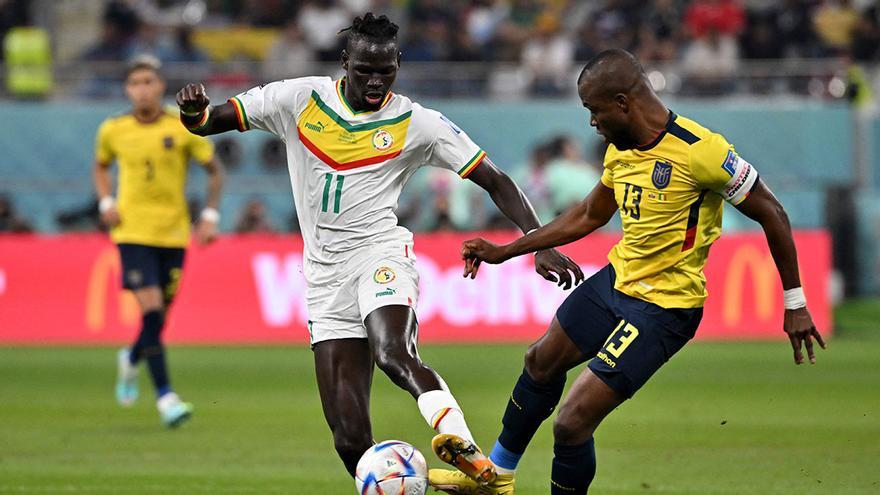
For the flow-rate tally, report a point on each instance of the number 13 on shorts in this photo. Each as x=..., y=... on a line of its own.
x=621, y=338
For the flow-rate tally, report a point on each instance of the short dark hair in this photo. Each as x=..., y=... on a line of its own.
x=371, y=28
x=144, y=62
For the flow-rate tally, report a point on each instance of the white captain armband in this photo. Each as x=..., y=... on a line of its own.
x=743, y=177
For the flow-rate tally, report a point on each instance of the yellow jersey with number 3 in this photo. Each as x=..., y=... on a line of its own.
x=153, y=159
x=669, y=193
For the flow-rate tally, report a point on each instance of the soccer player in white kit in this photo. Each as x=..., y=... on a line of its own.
x=352, y=144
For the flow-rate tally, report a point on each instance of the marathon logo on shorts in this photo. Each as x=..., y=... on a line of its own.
x=662, y=174
x=384, y=275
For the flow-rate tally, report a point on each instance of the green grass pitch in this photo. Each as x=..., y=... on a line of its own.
x=719, y=419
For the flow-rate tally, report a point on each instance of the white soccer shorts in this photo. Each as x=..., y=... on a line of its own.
x=343, y=296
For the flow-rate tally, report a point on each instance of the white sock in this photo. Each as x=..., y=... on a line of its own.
x=443, y=414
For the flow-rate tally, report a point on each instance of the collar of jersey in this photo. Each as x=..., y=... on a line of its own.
x=341, y=94
x=662, y=134
x=366, y=126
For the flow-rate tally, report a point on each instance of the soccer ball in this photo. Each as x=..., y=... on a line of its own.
x=392, y=468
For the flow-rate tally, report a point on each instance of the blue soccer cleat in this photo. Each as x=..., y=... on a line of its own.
x=173, y=411
x=126, y=379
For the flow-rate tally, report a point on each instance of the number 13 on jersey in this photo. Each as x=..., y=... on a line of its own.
x=337, y=196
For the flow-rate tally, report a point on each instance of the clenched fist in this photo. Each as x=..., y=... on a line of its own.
x=193, y=99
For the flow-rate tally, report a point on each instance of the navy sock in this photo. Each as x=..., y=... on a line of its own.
x=149, y=346
x=574, y=467
x=529, y=405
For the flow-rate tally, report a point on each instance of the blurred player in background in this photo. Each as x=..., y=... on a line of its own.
x=668, y=177
x=150, y=221
x=352, y=144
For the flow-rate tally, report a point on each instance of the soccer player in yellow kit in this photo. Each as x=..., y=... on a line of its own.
x=668, y=176
x=150, y=221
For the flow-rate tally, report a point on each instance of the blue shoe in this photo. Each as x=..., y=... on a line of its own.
x=173, y=411
x=126, y=379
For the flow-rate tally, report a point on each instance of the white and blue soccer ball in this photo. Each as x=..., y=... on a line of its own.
x=392, y=468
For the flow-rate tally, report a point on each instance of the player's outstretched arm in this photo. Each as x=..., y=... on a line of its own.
x=763, y=207
x=104, y=190
x=578, y=221
x=207, y=228
x=550, y=263
x=199, y=116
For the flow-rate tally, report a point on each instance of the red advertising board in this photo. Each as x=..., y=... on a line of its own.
x=66, y=289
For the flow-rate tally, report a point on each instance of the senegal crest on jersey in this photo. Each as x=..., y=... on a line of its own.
x=344, y=145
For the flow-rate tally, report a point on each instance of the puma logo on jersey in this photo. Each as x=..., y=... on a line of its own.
x=317, y=126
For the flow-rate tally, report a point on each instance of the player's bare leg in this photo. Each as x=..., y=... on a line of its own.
x=534, y=397
x=344, y=370
x=393, y=334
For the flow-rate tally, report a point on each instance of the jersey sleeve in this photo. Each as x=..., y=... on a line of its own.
x=716, y=166
x=451, y=147
x=103, y=150
x=607, y=177
x=268, y=107
x=201, y=149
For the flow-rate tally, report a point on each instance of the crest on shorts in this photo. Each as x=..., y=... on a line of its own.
x=384, y=275
x=662, y=174
x=382, y=140
x=135, y=278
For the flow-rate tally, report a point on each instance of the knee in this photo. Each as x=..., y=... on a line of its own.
x=571, y=428
x=396, y=363
x=542, y=372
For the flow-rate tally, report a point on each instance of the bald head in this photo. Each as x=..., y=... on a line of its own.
x=614, y=72
x=623, y=107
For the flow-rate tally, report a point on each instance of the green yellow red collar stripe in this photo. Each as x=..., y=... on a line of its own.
x=472, y=164
x=367, y=126
x=340, y=92
x=240, y=114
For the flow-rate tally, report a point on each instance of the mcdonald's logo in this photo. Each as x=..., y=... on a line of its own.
x=763, y=290
x=106, y=271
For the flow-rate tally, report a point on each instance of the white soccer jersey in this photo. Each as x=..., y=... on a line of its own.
x=348, y=168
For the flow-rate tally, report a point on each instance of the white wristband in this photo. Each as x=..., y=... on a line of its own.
x=210, y=215
x=106, y=203
x=795, y=298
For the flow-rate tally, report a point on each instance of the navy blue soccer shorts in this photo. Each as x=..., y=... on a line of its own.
x=147, y=266
x=629, y=339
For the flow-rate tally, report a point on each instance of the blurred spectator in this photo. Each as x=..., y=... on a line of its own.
x=660, y=33
x=795, y=26
x=320, y=21
x=149, y=41
x=268, y=13
x=118, y=33
x=761, y=39
x=866, y=35
x=481, y=21
x=615, y=25
x=253, y=219
x=835, y=22
x=116, y=43
x=569, y=176
x=10, y=221
x=710, y=62
x=548, y=57
x=184, y=49
x=428, y=42
x=725, y=17
x=290, y=56
x=532, y=178
x=12, y=13
x=515, y=29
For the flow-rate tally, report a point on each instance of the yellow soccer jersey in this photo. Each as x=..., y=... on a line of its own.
x=670, y=194
x=153, y=160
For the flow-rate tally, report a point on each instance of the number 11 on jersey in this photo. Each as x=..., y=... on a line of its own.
x=337, y=198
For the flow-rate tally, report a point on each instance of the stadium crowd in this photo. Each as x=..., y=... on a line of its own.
x=707, y=39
